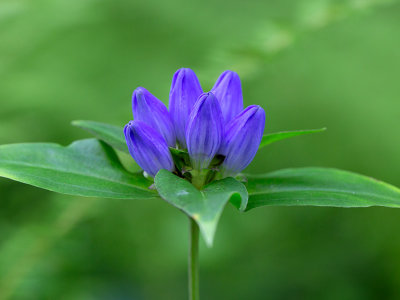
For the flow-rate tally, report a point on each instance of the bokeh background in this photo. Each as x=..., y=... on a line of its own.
x=309, y=63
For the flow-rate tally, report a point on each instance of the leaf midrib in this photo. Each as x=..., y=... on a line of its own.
x=83, y=188
x=329, y=190
x=74, y=173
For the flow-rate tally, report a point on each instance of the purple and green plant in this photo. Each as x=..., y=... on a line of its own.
x=192, y=156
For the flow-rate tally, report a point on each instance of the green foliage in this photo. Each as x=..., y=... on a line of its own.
x=111, y=134
x=63, y=60
x=320, y=187
x=205, y=206
x=114, y=135
x=278, y=136
x=84, y=168
x=181, y=158
x=91, y=168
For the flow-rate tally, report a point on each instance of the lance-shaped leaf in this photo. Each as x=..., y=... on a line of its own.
x=278, y=136
x=204, y=206
x=85, y=168
x=114, y=136
x=111, y=134
x=319, y=187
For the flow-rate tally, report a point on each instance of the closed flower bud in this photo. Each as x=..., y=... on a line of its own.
x=148, y=109
x=241, y=140
x=204, y=131
x=228, y=91
x=148, y=148
x=185, y=90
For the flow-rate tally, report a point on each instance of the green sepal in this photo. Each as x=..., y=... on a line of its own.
x=181, y=159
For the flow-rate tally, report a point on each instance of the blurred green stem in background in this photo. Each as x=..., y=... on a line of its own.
x=194, y=261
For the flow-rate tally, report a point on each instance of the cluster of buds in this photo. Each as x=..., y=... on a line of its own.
x=201, y=134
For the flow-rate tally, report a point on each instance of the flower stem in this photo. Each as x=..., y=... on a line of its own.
x=194, y=261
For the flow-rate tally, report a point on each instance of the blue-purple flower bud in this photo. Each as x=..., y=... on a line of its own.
x=228, y=91
x=241, y=140
x=204, y=131
x=148, y=109
x=185, y=90
x=148, y=148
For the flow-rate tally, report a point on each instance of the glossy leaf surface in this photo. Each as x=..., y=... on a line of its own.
x=319, y=187
x=204, y=206
x=111, y=134
x=278, y=136
x=85, y=168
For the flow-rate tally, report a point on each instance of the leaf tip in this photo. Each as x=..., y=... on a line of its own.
x=208, y=235
x=239, y=201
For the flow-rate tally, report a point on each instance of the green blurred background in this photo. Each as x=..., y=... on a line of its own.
x=309, y=63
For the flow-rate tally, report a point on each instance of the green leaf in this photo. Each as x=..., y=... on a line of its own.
x=277, y=136
x=319, y=187
x=181, y=158
x=85, y=168
x=204, y=206
x=111, y=134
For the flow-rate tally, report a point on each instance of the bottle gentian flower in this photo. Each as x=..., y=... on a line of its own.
x=206, y=124
x=147, y=108
x=185, y=90
x=204, y=131
x=228, y=91
x=148, y=148
x=241, y=140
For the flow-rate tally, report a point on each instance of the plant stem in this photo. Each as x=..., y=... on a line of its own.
x=194, y=261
